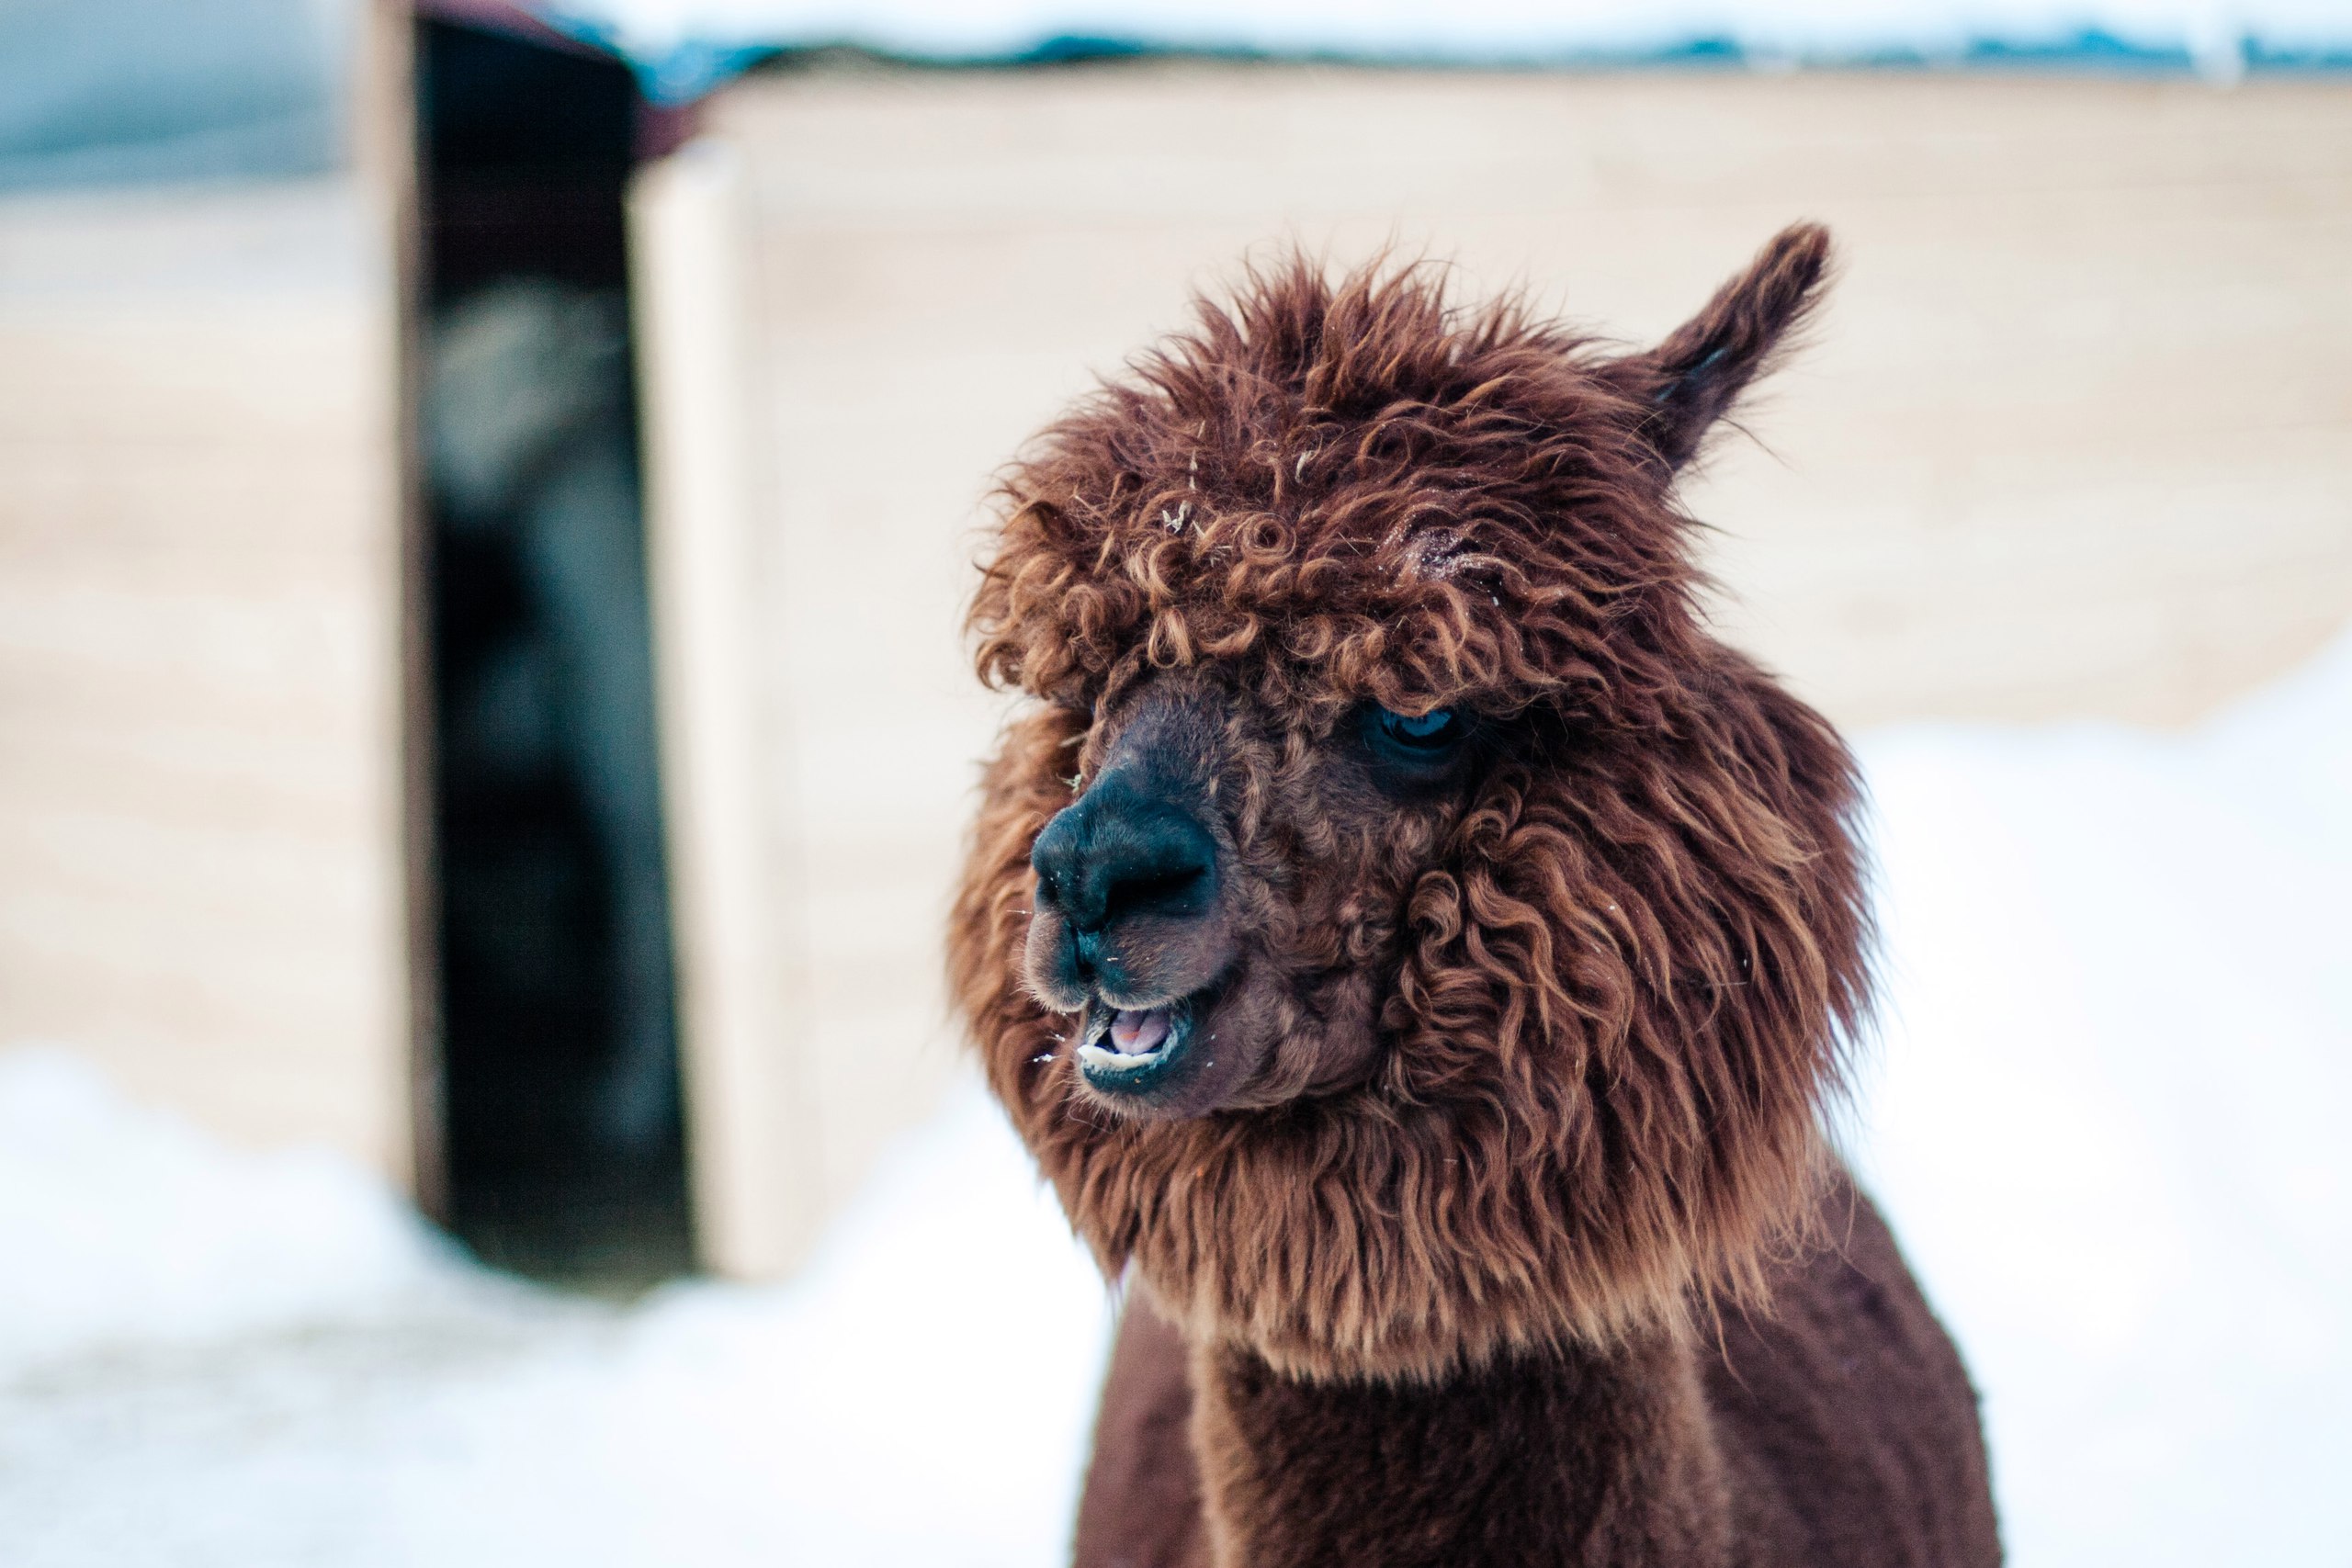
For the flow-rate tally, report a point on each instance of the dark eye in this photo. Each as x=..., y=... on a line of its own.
x=1416, y=740
x=1436, y=728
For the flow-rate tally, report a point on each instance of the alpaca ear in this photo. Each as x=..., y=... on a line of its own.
x=1691, y=380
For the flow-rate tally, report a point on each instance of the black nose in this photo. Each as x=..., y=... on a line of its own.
x=1128, y=848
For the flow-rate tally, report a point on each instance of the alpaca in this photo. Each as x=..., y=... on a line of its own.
x=1418, y=955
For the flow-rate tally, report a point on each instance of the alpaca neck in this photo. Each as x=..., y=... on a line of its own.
x=1568, y=1458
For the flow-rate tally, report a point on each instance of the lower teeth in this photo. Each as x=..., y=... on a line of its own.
x=1103, y=1046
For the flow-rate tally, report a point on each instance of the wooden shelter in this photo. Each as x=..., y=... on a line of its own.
x=2073, y=440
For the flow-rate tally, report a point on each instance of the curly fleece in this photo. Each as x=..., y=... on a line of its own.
x=1610, y=988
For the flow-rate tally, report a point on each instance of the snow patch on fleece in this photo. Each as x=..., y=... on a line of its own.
x=2105, y=1119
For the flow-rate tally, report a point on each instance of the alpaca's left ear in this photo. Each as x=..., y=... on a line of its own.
x=1691, y=380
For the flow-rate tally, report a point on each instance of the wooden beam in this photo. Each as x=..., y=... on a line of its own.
x=750, y=1124
x=388, y=157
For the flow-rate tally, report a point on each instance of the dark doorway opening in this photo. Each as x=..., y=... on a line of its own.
x=563, y=1148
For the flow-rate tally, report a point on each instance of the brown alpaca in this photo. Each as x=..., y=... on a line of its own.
x=1418, y=953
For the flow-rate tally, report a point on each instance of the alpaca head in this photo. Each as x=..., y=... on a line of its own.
x=1400, y=928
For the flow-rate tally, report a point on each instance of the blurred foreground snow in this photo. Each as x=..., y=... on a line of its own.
x=2106, y=1118
x=209, y=1357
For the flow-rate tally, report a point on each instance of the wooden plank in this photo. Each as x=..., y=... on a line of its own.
x=198, y=677
x=391, y=171
x=725, y=756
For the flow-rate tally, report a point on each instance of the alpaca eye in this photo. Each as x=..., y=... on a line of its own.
x=1429, y=736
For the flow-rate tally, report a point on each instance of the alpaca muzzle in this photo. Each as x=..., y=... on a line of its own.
x=1127, y=928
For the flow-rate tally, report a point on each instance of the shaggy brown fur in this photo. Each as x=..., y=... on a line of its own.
x=1510, y=1065
x=1837, y=1430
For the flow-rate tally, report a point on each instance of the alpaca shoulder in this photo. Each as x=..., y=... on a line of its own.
x=1141, y=1506
x=1846, y=1421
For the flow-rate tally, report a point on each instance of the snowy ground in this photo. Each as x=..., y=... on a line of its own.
x=2107, y=1121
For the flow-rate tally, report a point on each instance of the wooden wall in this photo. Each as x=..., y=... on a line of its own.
x=2075, y=439
x=199, y=883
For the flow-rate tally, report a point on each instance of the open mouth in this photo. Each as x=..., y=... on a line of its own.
x=1133, y=1050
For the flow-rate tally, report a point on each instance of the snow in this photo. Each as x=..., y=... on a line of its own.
x=687, y=45
x=215, y=1357
x=1468, y=29
x=2106, y=1120
x=121, y=1224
